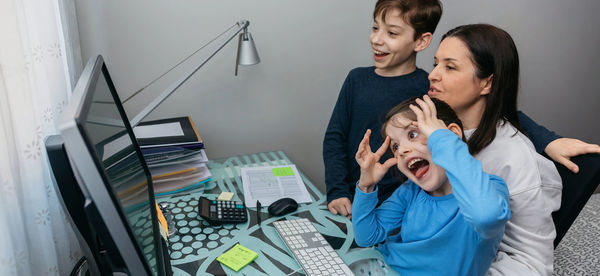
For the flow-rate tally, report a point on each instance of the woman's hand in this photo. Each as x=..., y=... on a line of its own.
x=371, y=171
x=562, y=149
x=427, y=120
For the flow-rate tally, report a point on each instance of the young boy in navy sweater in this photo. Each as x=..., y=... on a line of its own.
x=401, y=29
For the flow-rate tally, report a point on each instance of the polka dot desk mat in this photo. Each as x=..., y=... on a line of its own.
x=196, y=244
x=195, y=236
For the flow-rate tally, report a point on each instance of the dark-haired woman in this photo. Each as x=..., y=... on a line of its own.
x=476, y=72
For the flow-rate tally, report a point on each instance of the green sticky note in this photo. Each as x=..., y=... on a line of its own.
x=237, y=257
x=285, y=171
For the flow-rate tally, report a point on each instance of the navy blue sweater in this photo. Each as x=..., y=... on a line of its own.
x=363, y=101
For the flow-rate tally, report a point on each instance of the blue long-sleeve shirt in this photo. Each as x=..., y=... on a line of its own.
x=363, y=101
x=456, y=234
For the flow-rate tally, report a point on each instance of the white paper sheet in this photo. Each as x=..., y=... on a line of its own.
x=261, y=183
x=160, y=130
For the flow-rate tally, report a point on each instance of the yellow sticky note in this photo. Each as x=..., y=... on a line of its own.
x=225, y=196
x=285, y=171
x=237, y=257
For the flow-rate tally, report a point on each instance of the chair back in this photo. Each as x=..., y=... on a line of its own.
x=577, y=190
x=73, y=201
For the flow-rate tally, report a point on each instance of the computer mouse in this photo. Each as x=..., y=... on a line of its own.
x=283, y=206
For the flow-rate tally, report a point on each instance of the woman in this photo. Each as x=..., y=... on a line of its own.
x=476, y=72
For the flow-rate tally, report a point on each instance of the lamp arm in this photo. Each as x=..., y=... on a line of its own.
x=175, y=85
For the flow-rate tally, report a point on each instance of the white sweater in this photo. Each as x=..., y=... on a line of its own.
x=535, y=190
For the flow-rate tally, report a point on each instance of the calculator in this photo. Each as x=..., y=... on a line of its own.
x=222, y=211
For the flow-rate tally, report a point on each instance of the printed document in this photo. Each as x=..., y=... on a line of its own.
x=268, y=184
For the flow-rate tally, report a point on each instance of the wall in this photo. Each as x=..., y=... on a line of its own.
x=307, y=47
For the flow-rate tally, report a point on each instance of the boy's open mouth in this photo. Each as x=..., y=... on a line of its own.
x=379, y=54
x=418, y=166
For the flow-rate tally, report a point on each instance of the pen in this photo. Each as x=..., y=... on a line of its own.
x=258, y=206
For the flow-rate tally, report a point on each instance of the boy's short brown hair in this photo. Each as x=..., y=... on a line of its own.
x=422, y=15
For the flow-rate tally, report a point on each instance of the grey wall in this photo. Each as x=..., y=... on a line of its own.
x=307, y=47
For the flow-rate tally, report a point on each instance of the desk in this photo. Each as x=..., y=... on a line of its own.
x=197, y=244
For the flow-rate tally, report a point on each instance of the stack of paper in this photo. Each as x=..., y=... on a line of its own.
x=174, y=171
x=174, y=153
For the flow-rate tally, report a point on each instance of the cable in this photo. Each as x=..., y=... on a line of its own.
x=78, y=267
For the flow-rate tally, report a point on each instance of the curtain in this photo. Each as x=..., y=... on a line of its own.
x=35, y=83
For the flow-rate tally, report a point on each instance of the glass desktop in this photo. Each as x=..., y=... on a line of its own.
x=196, y=245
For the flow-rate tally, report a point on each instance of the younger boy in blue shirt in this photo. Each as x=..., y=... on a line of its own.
x=451, y=213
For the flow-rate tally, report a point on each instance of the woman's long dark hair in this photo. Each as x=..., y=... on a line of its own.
x=494, y=53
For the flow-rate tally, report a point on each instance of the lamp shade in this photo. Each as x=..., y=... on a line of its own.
x=248, y=54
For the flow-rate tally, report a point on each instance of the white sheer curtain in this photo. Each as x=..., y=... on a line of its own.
x=35, y=238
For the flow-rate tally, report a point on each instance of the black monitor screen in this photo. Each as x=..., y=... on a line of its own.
x=116, y=151
x=102, y=126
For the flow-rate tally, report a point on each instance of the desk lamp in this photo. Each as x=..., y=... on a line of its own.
x=246, y=55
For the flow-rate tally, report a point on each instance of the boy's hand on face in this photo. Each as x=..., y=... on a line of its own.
x=427, y=120
x=341, y=206
x=371, y=171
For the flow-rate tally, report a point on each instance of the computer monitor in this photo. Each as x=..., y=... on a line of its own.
x=119, y=210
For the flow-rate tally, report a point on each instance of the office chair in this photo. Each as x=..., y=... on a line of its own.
x=577, y=190
x=72, y=200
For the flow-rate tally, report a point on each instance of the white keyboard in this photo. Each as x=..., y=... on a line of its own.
x=310, y=249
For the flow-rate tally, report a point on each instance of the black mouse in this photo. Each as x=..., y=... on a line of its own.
x=283, y=206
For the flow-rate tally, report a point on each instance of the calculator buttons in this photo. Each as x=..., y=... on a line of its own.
x=221, y=211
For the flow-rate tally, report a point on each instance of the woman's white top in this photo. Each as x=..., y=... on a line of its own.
x=535, y=191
